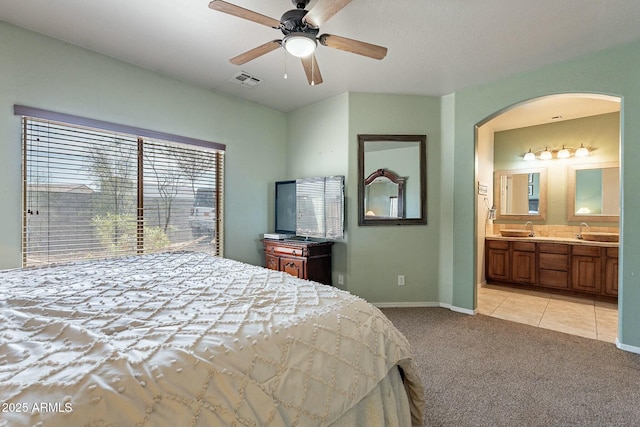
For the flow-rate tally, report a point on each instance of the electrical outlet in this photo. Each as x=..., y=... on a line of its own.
x=401, y=280
x=340, y=279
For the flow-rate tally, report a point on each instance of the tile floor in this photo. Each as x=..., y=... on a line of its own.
x=576, y=316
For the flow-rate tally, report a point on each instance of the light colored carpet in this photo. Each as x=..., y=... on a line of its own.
x=482, y=371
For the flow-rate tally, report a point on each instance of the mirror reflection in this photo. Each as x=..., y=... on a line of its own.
x=520, y=194
x=391, y=179
x=384, y=195
x=594, y=192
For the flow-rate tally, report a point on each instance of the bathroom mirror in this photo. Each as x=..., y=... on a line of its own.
x=392, y=179
x=593, y=192
x=521, y=194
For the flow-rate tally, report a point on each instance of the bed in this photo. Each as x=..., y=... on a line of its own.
x=188, y=339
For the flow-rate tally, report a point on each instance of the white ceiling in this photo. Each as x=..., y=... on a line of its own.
x=436, y=47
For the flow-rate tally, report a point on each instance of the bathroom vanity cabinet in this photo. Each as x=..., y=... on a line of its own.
x=573, y=268
x=523, y=262
x=553, y=259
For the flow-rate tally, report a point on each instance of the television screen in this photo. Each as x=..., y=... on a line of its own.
x=286, y=207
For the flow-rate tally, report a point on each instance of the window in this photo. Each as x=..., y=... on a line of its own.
x=96, y=190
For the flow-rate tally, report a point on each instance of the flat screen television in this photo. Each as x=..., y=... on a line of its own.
x=286, y=207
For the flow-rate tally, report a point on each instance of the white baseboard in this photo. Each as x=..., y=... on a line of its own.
x=458, y=309
x=422, y=305
x=408, y=304
x=629, y=348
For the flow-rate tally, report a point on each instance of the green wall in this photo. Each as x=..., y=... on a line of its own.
x=378, y=254
x=317, y=145
x=437, y=259
x=41, y=72
x=371, y=257
x=614, y=72
x=601, y=133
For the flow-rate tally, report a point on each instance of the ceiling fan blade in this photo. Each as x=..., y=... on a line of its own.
x=353, y=46
x=324, y=10
x=241, y=12
x=255, y=52
x=311, y=69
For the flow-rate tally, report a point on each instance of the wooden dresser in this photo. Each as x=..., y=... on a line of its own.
x=304, y=259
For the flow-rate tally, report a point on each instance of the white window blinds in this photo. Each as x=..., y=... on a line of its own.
x=90, y=193
x=320, y=207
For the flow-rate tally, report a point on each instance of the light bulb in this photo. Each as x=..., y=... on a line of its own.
x=564, y=153
x=546, y=155
x=582, y=151
x=529, y=156
x=300, y=45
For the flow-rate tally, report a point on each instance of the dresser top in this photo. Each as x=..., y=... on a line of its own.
x=297, y=243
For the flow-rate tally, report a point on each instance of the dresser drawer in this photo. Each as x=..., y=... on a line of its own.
x=554, y=261
x=524, y=246
x=286, y=250
x=553, y=248
x=294, y=267
x=498, y=244
x=554, y=279
x=272, y=261
x=586, y=250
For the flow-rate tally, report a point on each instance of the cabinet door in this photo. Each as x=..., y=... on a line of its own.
x=523, y=267
x=497, y=264
x=586, y=274
x=611, y=276
x=293, y=266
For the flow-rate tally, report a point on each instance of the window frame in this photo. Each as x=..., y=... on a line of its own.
x=143, y=137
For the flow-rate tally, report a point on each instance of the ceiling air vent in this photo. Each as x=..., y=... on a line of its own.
x=245, y=79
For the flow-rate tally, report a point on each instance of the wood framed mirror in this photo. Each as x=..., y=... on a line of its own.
x=521, y=194
x=593, y=192
x=392, y=179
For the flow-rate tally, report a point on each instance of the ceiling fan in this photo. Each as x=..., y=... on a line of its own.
x=300, y=29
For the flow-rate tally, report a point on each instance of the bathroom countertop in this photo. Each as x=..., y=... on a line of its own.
x=565, y=240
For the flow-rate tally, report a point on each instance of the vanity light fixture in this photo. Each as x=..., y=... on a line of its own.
x=553, y=154
x=546, y=154
x=564, y=153
x=529, y=156
x=582, y=151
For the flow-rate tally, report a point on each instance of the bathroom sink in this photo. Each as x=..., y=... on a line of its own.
x=596, y=236
x=514, y=233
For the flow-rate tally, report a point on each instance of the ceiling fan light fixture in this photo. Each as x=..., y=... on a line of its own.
x=300, y=45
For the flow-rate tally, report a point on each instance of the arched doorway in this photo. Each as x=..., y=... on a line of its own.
x=529, y=117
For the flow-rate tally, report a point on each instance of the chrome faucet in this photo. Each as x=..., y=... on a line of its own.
x=582, y=224
x=531, y=230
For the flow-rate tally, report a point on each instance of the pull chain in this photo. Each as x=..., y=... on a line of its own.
x=285, y=63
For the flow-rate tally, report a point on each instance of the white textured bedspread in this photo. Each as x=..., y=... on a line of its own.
x=187, y=340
